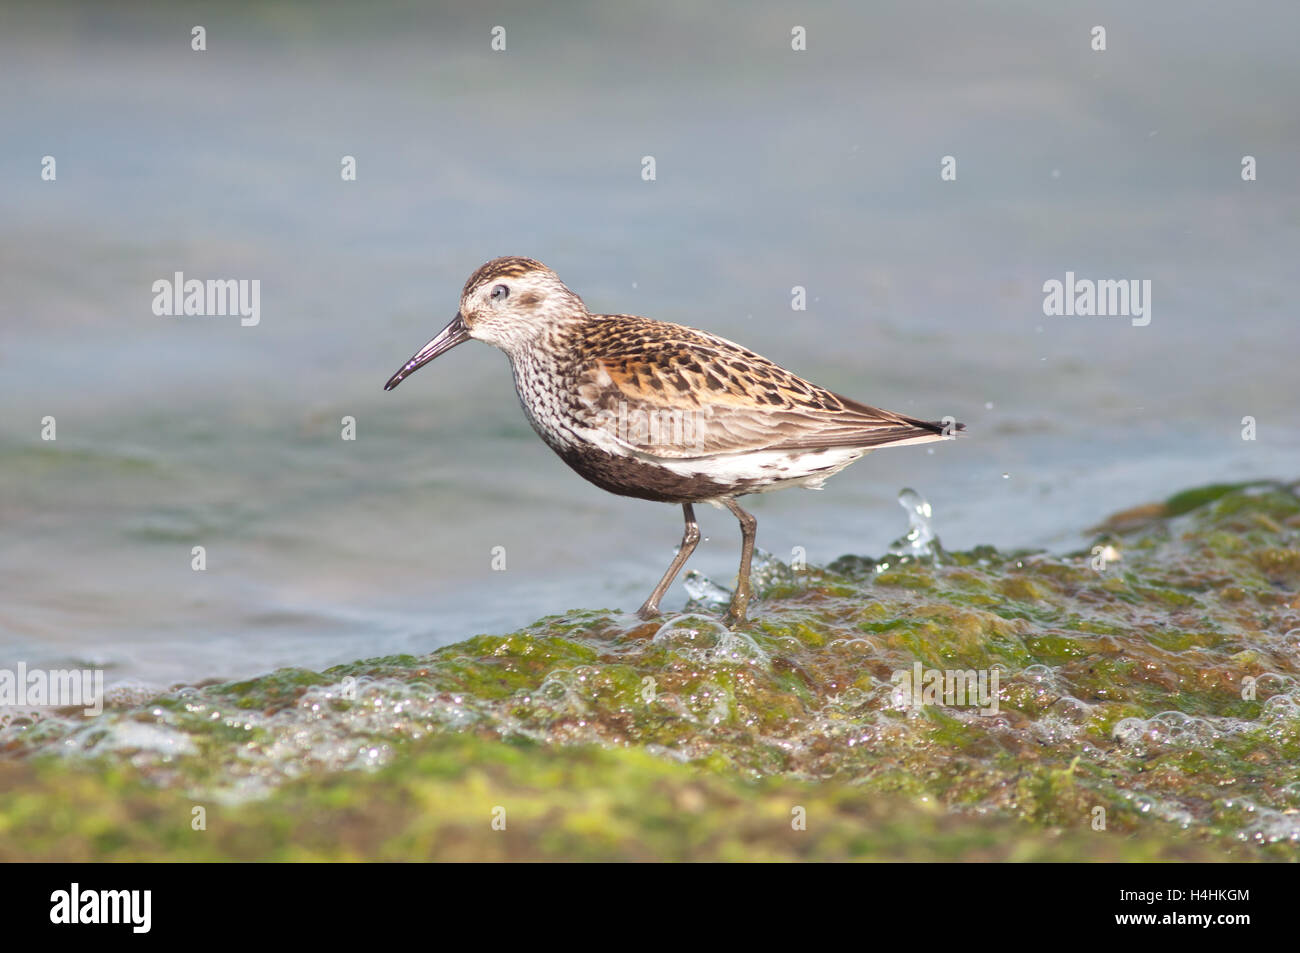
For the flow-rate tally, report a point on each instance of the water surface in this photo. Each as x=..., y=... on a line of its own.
x=774, y=169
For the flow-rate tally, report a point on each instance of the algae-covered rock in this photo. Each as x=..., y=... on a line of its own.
x=1139, y=699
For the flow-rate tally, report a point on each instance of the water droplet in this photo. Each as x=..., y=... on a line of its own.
x=919, y=539
x=1006, y=476
x=988, y=405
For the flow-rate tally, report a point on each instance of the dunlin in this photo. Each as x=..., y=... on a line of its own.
x=659, y=411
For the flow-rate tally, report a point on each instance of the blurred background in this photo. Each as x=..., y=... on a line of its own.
x=775, y=168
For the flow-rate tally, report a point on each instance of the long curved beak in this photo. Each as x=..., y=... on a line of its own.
x=453, y=334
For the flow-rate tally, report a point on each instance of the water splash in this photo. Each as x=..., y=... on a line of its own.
x=703, y=590
x=766, y=572
x=709, y=642
x=919, y=541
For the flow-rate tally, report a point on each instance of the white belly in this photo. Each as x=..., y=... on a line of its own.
x=766, y=470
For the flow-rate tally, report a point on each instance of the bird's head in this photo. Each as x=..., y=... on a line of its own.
x=507, y=303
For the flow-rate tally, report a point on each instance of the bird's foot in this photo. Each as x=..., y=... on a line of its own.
x=647, y=612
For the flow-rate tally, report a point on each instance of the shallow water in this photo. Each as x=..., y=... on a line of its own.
x=774, y=170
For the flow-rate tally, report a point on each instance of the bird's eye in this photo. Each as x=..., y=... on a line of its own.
x=500, y=293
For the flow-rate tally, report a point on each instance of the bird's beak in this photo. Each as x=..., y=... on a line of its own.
x=453, y=334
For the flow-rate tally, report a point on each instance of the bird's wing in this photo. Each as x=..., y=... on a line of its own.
x=663, y=390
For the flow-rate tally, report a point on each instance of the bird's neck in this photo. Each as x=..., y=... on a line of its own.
x=545, y=374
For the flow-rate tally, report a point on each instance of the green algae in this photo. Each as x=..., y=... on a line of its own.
x=1145, y=709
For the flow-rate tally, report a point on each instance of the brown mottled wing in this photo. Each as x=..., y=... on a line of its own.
x=736, y=400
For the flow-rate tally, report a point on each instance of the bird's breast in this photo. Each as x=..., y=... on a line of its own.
x=549, y=401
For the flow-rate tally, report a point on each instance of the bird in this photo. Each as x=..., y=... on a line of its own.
x=663, y=412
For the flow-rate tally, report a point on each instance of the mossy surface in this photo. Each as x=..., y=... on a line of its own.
x=1147, y=708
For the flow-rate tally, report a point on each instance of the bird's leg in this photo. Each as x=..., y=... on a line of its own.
x=740, y=598
x=689, y=538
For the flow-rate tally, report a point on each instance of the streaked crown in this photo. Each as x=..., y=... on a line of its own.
x=509, y=301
